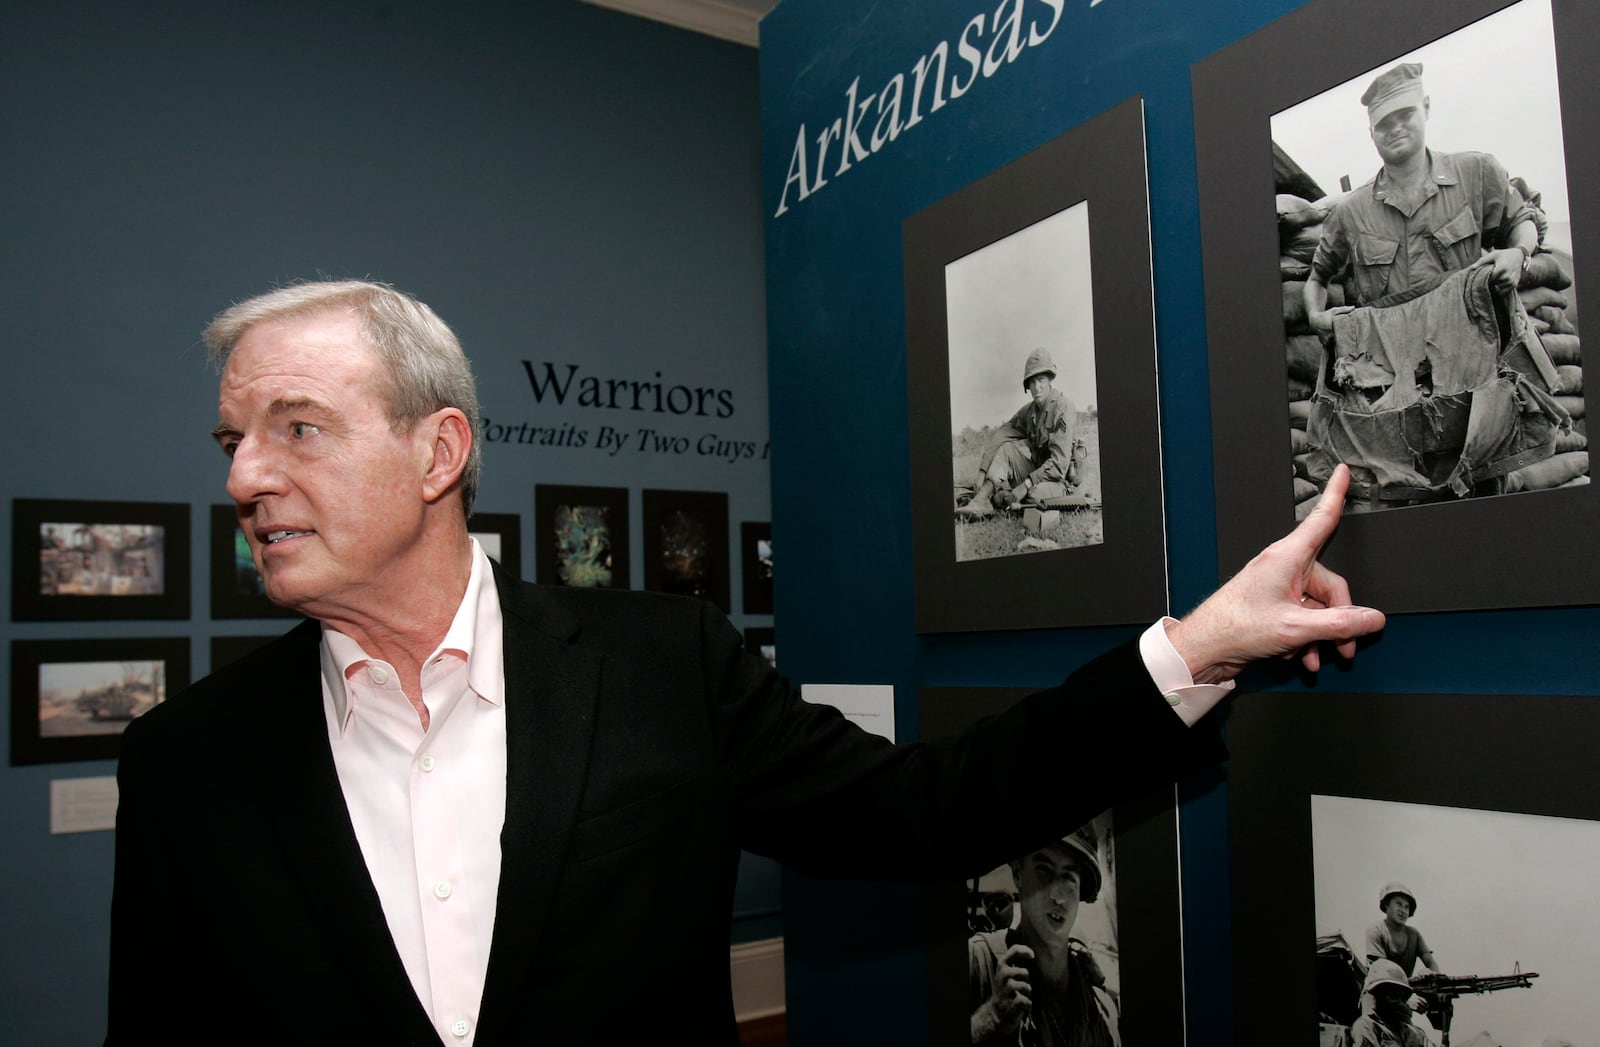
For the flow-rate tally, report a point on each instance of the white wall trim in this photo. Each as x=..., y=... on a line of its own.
x=726, y=21
x=757, y=969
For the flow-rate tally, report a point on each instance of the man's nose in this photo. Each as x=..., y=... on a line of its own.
x=254, y=471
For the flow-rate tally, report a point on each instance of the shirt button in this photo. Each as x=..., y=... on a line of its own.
x=1173, y=698
x=426, y=763
x=460, y=1027
x=380, y=675
x=442, y=889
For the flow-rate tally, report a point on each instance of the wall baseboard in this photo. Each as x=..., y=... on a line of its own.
x=757, y=971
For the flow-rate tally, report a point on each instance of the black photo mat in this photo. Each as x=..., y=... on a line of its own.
x=70, y=559
x=236, y=588
x=81, y=715
x=1526, y=755
x=1122, y=578
x=755, y=553
x=507, y=529
x=1149, y=911
x=685, y=541
x=1464, y=555
x=560, y=556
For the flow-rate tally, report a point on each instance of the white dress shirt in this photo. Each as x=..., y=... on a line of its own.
x=428, y=806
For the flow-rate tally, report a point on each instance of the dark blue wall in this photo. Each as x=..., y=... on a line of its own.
x=559, y=181
x=840, y=421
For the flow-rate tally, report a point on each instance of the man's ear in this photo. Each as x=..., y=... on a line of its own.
x=450, y=442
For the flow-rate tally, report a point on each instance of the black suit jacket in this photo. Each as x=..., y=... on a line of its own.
x=644, y=748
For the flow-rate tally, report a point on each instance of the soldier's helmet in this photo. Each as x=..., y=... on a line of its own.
x=1086, y=843
x=1392, y=888
x=1385, y=972
x=1039, y=362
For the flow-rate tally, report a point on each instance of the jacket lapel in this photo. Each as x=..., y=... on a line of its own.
x=552, y=682
x=299, y=790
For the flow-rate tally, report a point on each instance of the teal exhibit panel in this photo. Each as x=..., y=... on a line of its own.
x=873, y=114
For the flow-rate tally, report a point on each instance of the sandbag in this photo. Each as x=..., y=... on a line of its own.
x=1563, y=348
x=1538, y=297
x=1304, y=489
x=1302, y=245
x=1299, y=442
x=1558, y=320
x=1573, y=405
x=1577, y=481
x=1290, y=268
x=1305, y=355
x=1573, y=441
x=1552, y=472
x=1294, y=304
x=1571, y=379
x=1296, y=212
x=1299, y=412
x=1545, y=270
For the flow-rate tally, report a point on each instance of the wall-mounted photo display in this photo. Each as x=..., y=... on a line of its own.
x=237, y=590
x=500, y=534
x=762, y=640
x=755, y=553
x=1035, y=437
x=1394, y=255
x=686, y=544
x=71, y=699
x=1415, y=859
x=581, y=536
x=225, y=650
x=85, y=560
x=1099, y=909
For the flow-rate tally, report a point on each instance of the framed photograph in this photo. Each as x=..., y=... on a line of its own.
x=1404, y=378
x=686, y=544
x=84, y=561
x=1476, y=809
x=236, y=587
x=762, y=640
x=1127, y=918
x=500, y=534
x=225, y=650
x=755, y=553
x=582, y=536
x=71, y=699
x=1035, y=436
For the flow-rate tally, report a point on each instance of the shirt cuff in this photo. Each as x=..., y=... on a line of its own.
x=1171, y=676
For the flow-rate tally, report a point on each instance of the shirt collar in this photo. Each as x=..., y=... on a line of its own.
x=1442, y=170
x=475, y=634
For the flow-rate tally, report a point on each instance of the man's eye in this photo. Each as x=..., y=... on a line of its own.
x=229, y=448
x=301, y=430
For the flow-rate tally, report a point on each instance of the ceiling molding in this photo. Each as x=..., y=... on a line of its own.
x=734, y=20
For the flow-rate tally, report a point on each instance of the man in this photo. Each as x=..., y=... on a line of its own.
x=1437, y=387
x=1393, y=938
x=455, y=808
x=1035, y=985
x=1424, y=214
x=1387, y=1023
x=1033, y=448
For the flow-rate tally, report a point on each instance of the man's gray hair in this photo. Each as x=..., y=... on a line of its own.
x=421, y=356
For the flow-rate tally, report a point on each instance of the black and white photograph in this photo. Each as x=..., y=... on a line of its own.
x=1031, y=373
x=1025, y=444
x=762, y=640
x=581, y=535
x=1042, y=946
x=1430, y=318
x=500, y=534
x=1394, y=239
x=1467, y=926
x=755, y=550
x=79, y=560
x=1078, y=942
x=237, y=590
x=1415, y=854
x=71, y=699
x=686, y=544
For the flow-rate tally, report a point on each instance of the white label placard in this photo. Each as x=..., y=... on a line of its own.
x=869, y=706
x=83, y=805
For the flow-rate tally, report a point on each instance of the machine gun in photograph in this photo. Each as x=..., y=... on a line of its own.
x=1441, y=990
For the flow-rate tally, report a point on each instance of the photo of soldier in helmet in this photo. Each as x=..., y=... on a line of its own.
x=1034, y=982
x=1386, y=1016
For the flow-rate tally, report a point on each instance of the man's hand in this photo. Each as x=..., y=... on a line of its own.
x=1507, y=268
x=1019, y=492
x=1283, y=603
x=1009, y=1001
x=1321, y=321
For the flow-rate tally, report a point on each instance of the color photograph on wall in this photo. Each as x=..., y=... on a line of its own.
x=755, y=552
x=1407, y=303
x=686, y=544
x=88, y=560
x=72, y=699
x=1035, y=439
x=581, y=536
x=1446, y=841
x=237, y=590
x=1090, y=922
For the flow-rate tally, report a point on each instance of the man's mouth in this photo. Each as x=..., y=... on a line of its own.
x=274, y=537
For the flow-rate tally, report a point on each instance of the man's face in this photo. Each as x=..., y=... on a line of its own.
x=1039, y=387
x=1401, y=135
x=1389, y=1001
x=1397, y=908
x=327, y=493
x=1049, y=881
